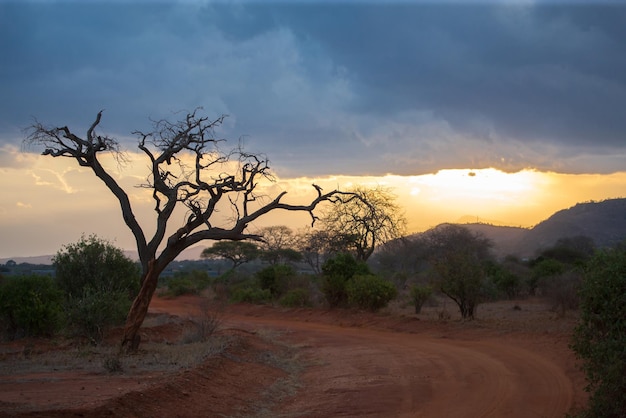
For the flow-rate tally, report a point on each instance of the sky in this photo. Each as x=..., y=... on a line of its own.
x=502, y=112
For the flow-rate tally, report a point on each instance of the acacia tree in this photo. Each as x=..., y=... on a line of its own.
x=198, y=186
x=278, y=245
x=367, y=222
x=238, y=252
x=458, y=256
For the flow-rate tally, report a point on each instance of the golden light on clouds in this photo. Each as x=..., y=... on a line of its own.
x=49, y=202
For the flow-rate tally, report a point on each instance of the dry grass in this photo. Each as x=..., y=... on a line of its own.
x=152, y=357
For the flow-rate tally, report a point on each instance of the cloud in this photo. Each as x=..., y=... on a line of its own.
x=328, y=88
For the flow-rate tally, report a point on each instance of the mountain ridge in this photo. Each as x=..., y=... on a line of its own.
x=602, y=221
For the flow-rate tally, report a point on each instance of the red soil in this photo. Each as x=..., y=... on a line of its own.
x=512, y=363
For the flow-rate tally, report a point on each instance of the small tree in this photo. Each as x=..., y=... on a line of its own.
x=458, y=256
x=186, y=167
x=419, y=295
x=238, y=252
x=600, y=338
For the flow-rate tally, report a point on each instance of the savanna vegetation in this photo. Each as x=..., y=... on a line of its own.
x=356, y=255
x=95, y=284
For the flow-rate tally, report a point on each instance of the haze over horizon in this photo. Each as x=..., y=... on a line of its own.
x=502, y=111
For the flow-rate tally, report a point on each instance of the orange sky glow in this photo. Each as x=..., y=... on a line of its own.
x=50, y=202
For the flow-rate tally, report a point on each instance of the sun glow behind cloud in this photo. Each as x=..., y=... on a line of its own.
x=48, y=202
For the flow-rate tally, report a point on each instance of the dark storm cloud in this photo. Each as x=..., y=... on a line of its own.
x=544, y=73
x=327, y=87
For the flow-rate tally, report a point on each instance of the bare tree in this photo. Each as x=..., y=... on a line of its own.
x=371, y=220
x=199, y=187
x=318, y=245
x=278, y=245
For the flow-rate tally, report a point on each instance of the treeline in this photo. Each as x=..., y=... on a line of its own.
x=95, y=284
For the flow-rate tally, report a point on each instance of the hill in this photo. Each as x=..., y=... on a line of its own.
x=604, y=222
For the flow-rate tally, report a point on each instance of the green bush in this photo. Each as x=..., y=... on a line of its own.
x=95, y=263
x=370, y=292
x=502, y=282
x=251, y=294
x=337, y=272
x=419, y=295
x=248, y=290
x=600, y=337
x=94, y=311
x=192, y=282
x=30, y=306
x=275, y=278
x=180, y=285
x=296, y=298
x=99, y=283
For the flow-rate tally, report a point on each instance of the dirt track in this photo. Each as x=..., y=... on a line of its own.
x=355, y=365
x=364, y=372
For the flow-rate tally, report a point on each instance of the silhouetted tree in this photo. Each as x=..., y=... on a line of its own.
x=188, y=168
x=278, y=245
x=367, y=222
x=238, y=252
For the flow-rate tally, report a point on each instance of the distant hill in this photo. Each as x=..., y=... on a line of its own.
x=604, y=222
x=505, y=238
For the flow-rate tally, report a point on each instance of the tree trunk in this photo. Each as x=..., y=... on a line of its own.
x=139, y=309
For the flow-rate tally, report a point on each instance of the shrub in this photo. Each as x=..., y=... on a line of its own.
x=99, y=283
x=503, y=281
x=600, y=336
x=370, y=292
x=192, y=282
x=419, y=295
x=337, y=272
x=30, y=306
x=249, y=291
x=296, y=298
x=275, y=278
x=95, y=263
x=94, y=311
x=180, y=285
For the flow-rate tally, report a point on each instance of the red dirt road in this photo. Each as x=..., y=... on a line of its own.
x=426, y=370
x=354, y=364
